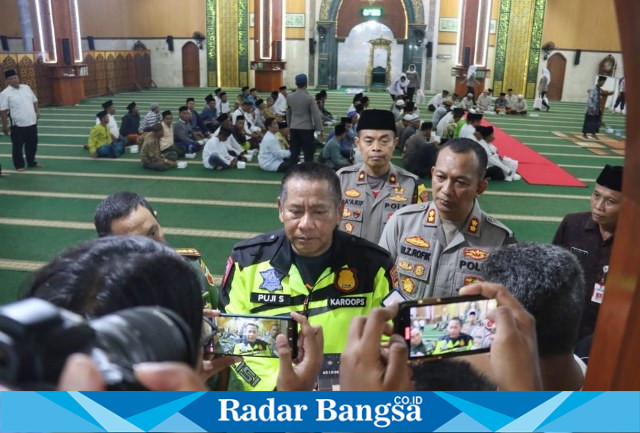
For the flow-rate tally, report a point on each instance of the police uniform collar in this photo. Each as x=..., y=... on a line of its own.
x=392, y=178
x=283, y=258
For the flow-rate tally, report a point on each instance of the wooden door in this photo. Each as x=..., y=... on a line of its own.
x=190, y=65
x=556, y=65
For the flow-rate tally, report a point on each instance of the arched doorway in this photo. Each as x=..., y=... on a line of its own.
x=556, y=65
x=376, y=47
x=328, y=39
x=190, y=65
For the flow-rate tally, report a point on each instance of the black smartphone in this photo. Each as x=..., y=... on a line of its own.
x=245, y=335
x=446, y=327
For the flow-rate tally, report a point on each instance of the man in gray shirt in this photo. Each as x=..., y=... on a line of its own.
x=303, y=117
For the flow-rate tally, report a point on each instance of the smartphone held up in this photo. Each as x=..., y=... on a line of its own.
x=442, y=328
x=243, y=335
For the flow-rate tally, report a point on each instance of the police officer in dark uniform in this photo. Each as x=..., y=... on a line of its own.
x=589, y=235
x=308, y=267
x=128, y=213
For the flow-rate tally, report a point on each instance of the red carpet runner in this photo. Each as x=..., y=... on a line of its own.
x=533, y=167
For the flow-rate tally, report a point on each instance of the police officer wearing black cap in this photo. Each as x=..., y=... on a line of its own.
x=374, y=190
x=589, y=235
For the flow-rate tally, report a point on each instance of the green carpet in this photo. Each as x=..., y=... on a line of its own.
x=46, y=210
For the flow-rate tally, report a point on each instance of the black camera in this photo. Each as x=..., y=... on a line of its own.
x=36, y=338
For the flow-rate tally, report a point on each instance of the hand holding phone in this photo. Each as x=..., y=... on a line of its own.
x=246, y=335
x=446, y=327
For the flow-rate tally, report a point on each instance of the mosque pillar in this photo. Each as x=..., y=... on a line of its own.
x=24, y=11
x=518, y=46
x=269, y=44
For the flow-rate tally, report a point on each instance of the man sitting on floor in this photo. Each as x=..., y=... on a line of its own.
x=167, y=146
x=330, y=155
x=501, y=104
x=112, y=125
x=271, y=156
x=469, y=128
x=151, y=118
x=441, y=112
x=222, y=106
x=437, y=100
x=130, y=124
x=498, y=168
x=420, y=151
x=467, y=102
x=101, y=143
x=239, y=133
x=484, y=101
x=413, y=125
x=208, y=115
x=244, y=93
x=449, y=129
x=151, y=156
x=215, y=155
x=511, y=100
x=183, y=134
x=280, y=106
x=196, y=124
x=283, y=135
x=520, y=106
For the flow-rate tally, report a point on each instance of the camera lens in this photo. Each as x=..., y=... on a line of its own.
x=142, y=334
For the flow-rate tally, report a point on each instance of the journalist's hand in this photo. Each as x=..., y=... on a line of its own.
x=514, y=351
x=365, y=365
x=302, y=376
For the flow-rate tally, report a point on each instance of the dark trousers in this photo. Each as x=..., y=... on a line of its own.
x=620, y=100
x=24, y=137
x=410, y=92
x=302, y=139
x=542, y=96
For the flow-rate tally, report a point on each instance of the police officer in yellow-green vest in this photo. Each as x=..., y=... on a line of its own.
x=374, y=190
x=309, y=267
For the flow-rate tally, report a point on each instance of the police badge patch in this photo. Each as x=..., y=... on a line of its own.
x=271, y=280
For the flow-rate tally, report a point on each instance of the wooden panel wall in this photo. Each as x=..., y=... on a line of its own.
x=581, y=24
x=9, y=19
x=141, y=18
x=293, y=7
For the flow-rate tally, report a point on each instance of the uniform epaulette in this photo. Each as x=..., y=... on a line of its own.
x=412, y=208
x=349, y=169
x=188, y=252
x=263, y=239
x=406, y=173
x=493, y=221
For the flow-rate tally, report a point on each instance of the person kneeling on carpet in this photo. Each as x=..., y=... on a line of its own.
x=151, y=156
x=498, y=168
x=215, y=154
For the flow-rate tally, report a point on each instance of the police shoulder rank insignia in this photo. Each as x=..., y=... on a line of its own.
x=405, y=265
x=470, y=280
x=474, y=225
x=398, y=198
x=393, y=179
x=271, y=280
x=476, y=253
x=361, y=176
x=348, y=227
x=419, y=270
x=418, y=241
x=346, y=280
x=346, y=213
x=431, y=216
x=353, y=193
x=408, y=285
